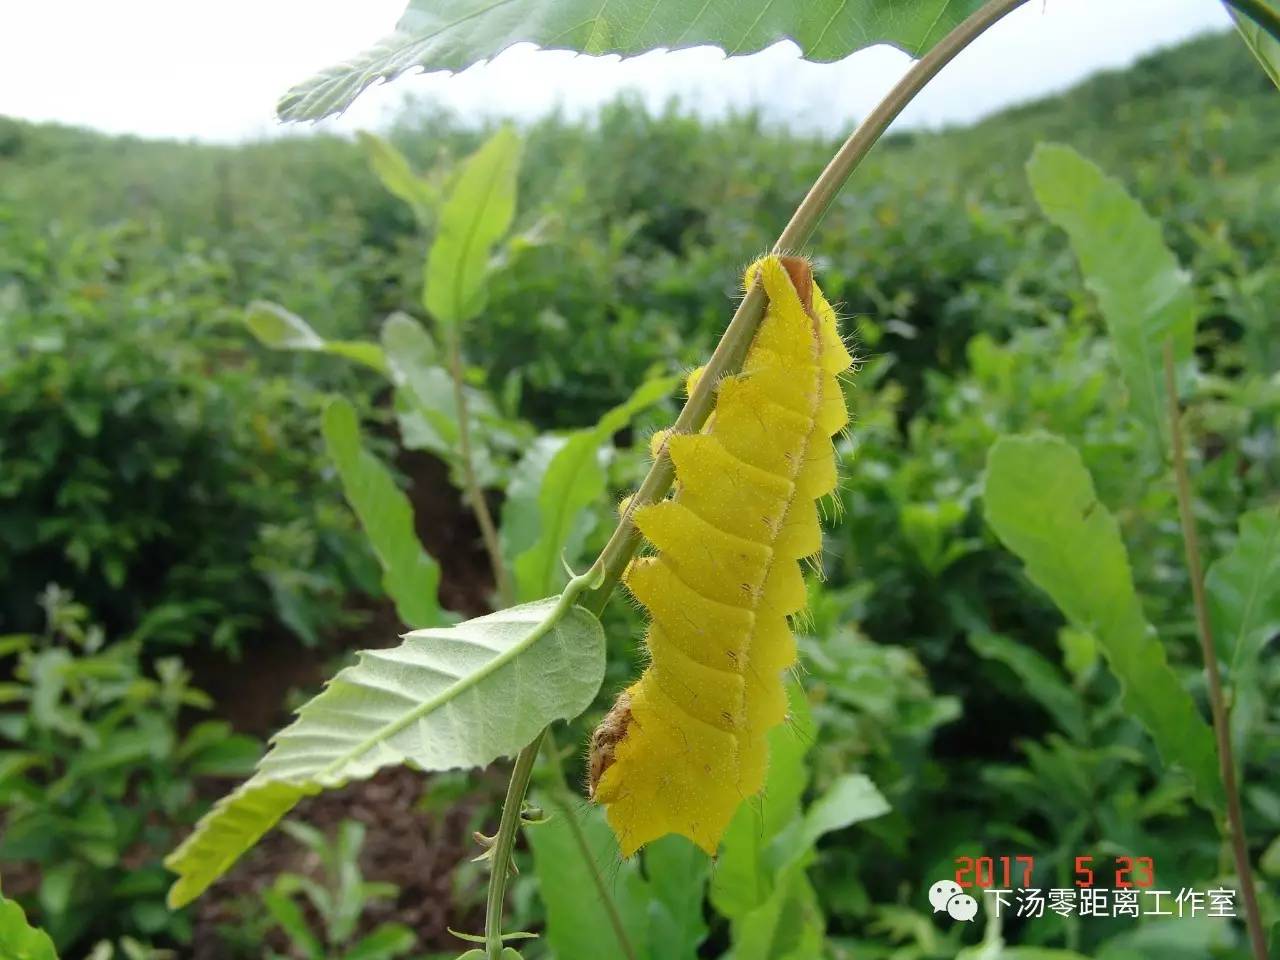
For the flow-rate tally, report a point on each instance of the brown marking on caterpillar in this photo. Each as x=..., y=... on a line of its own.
x=606, y=736
x=801, y=274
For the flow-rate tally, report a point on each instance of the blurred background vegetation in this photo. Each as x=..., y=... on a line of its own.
x=178, y=562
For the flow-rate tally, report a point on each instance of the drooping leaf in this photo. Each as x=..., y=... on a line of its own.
x=578, y=926
x=278, y=328
x=410, y=577
x=398, y=177
x=18, y=939
x=1041, y=502
x=1039, y=677
x=445, y=698
x=476, y=215
x=1144, y=295
x=1244, y=608
x=573, y=479
x=433, y=35
x=1263, y=45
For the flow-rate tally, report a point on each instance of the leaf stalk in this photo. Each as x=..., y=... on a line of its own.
x=475, y=494
x=1217, y=702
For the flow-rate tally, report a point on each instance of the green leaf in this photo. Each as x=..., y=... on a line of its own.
x=433, y=35
x=410, y=577
x=1039, y=677
x=18, y=939
x=398, y=177
x=578, y=927
x=476, y=215
x=1244, y=608
x=1262, y=44
x=677, y=871
x=744, y=877
x=444, y=698
x=557, y=483
x=788, y=925
x=852, y=799
x=288, y=916
x=1244, y=589
x=389, y=940
x=1041, y=502
x=276, y=327
x=1145, y=297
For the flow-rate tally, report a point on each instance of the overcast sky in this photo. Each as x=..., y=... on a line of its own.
x=177, y=68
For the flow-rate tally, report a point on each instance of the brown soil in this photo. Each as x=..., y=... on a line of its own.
x=419, y=851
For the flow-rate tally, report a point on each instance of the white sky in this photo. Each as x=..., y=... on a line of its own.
x=213, y=71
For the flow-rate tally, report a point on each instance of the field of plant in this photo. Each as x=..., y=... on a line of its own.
x=247, y=429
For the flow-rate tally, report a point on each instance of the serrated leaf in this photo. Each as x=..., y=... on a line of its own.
x=559, y=480
x=478, y=212
x=1040, y=500
x=433, y=35
x=1144, y=295
x=445, y=698
x=1264, y=46
x=410, y=577
x=398, y=177
x=278, y=328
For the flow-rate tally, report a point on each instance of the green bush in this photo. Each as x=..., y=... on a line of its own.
x=97, y=777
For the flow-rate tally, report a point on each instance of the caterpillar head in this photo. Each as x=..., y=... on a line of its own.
x=606, y=736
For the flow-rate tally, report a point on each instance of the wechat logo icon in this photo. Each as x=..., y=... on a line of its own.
x=949, y=897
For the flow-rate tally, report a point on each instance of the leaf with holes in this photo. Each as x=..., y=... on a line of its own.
x=433, y=35
x=445, y=698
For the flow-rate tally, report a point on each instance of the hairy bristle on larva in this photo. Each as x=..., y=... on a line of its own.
x=724, y=580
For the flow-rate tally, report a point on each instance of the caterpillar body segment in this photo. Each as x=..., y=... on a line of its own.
x=685, y=744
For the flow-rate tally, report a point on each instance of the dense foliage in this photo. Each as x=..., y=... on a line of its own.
x=934, y=666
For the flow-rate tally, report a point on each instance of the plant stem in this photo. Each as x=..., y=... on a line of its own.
x=1217, y=703
x=1261, y=13
x=479, y=506
x=725, y=360
x=503, y=843
x=730, y=352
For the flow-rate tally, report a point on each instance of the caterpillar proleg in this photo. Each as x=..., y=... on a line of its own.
x=685, y=744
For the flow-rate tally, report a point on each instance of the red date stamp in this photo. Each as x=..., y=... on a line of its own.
x=1007, y=872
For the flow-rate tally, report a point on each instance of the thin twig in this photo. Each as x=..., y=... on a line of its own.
x=475, y=494
x=1217, y=703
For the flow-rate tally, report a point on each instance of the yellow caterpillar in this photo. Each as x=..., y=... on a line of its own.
x=685, y=744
